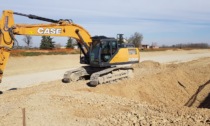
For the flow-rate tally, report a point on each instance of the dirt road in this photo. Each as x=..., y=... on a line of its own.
x=27, y=71
x=165, y=93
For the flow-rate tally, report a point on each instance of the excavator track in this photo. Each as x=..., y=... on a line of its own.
x=74, y=75
x=98, y=76
x=110, y=75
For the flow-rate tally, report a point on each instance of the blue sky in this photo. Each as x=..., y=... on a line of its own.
x=163, y=21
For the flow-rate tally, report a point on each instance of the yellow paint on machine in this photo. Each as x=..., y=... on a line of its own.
x=126, y=55
x=6, y=41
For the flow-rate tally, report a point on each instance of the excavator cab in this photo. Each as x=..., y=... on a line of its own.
x=102, y=50
x=107, y=52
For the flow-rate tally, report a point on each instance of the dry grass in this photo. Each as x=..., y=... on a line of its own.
x=165, y=49
x=37, y=52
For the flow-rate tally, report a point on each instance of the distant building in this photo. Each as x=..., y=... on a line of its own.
x=145, y=46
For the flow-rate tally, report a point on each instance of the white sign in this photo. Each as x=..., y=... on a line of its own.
x=49, y=30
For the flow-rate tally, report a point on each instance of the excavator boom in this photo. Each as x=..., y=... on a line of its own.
x=8, y=30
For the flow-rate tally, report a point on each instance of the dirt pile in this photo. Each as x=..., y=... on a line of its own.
x=159, y=94
x=161, y=84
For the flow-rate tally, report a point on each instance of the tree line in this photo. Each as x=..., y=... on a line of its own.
x=48, y=43
x=189, y=45
x=136, y=39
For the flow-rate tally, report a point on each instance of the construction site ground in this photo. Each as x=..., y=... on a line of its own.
x=168, y=88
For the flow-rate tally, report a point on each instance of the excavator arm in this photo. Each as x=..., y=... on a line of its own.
x=8, y=30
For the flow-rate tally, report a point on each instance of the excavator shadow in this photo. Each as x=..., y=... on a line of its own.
x=205, y=103
x=89, y=85
x=11, y=89
x=88, y=78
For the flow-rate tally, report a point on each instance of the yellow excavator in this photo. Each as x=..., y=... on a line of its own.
x=107, y=59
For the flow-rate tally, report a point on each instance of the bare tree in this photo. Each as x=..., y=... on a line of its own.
x=28, y=40
x=136, y=39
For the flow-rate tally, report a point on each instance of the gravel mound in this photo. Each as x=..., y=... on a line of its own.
x=159, y=94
